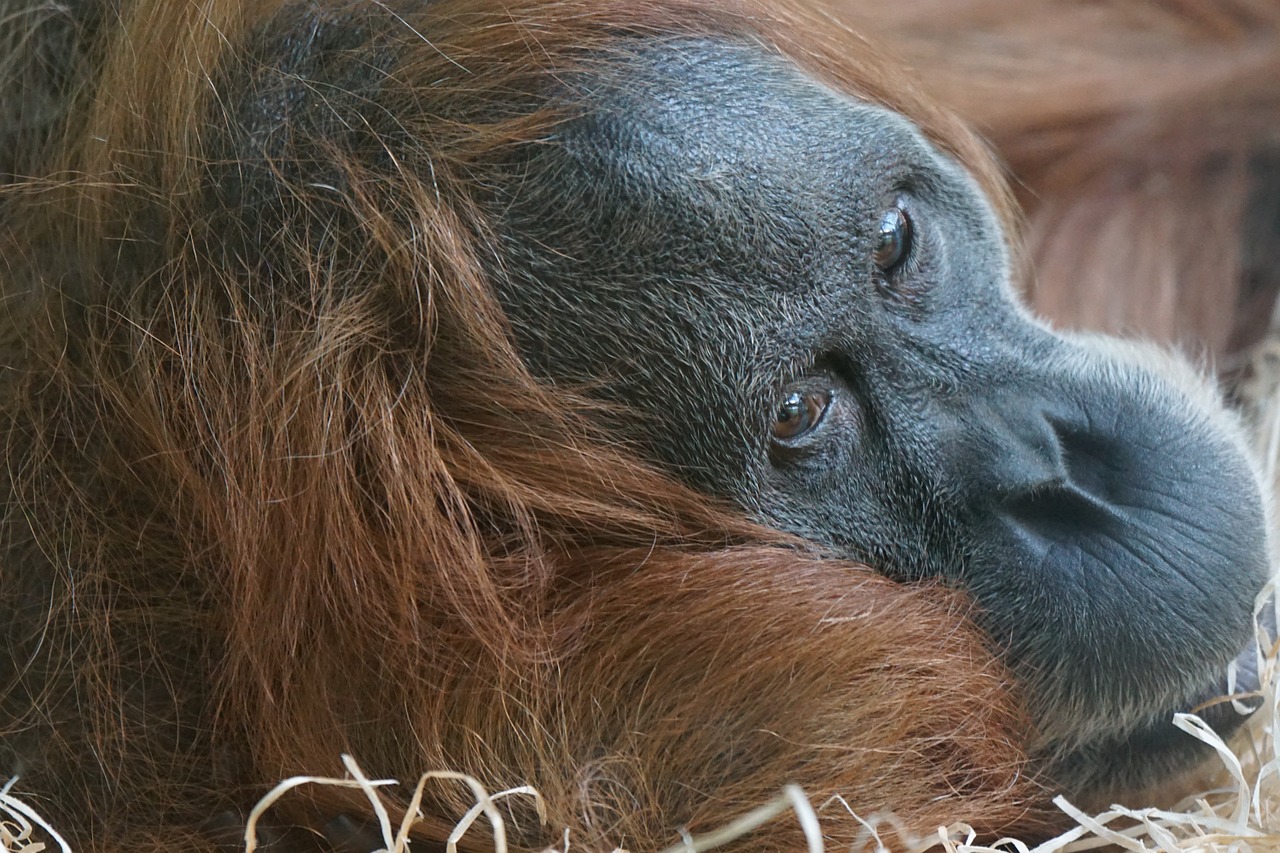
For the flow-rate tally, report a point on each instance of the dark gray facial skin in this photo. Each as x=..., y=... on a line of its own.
x=699, y=245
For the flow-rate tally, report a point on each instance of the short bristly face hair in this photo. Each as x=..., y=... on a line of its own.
x=525, y=389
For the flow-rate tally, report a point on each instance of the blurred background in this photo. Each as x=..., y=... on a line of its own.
x=1143, y=138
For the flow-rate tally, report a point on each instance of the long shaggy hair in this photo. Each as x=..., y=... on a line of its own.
x=279, y=487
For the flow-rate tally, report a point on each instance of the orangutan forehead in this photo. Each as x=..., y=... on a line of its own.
x=727, y=105
x=713, y=160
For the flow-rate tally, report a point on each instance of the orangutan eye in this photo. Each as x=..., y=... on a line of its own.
x=798, y=413
x=894, y=241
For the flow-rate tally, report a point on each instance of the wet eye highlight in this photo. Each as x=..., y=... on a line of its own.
x=894, y=242
x=798, y=413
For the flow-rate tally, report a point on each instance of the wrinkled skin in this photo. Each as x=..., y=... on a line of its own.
x=700, y=245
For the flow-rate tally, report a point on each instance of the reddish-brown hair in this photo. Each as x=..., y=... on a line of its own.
x=280, y=487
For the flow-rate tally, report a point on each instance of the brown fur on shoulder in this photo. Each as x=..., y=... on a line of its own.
x=279, y=487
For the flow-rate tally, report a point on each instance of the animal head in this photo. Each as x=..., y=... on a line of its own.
x=635, y=401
